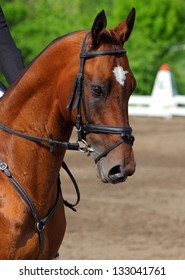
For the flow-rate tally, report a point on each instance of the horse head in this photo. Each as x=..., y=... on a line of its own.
x=100, y=99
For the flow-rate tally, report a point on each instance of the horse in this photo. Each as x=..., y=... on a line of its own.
x=81, y=79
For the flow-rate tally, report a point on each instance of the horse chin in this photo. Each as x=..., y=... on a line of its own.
x=117, y=178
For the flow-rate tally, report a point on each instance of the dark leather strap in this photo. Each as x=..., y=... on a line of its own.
x=102, y=53
x=39, y=222
x=109, y=150
x=106, y=129
x=124, y=138
x=67, y=203
x=50, y=141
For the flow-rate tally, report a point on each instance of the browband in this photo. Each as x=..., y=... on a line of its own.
x=101, y=53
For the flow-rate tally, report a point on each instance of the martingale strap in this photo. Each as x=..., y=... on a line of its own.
x=39, y=222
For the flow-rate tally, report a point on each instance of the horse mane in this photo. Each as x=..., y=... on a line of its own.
x=108, y=37
x=38, y=55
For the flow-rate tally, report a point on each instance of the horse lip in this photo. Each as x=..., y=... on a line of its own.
x=117, y=174
x=117, y=178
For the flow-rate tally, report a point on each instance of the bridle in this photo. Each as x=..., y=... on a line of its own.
x=78, y=98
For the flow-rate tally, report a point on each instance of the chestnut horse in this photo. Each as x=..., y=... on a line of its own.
x=80, y=79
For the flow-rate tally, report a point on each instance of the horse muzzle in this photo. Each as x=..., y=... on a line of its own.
x=116, y=174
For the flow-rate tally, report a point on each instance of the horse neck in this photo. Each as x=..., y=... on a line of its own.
x=34, y=99
x=33, y=106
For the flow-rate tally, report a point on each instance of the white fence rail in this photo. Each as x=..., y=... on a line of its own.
x=147, y=106
x=164, y=100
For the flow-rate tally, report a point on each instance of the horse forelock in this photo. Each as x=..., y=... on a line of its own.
x=108, y=40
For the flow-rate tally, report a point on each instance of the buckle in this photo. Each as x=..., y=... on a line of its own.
x=127, y=137
x=40, y=226
x=83, y=149
x=3, y=166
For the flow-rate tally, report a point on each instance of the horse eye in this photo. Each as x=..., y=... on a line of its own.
x=97, y=91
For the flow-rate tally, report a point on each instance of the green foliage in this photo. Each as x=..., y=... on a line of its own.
x=158, y=35
x=158, y=27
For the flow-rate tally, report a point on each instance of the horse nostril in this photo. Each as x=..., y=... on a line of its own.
x=115, y=170
x=117, y=174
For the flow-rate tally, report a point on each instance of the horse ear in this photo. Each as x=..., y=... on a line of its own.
x=98, y=27
x=124, y=29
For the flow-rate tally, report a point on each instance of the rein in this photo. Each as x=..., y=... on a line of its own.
x=50, y=141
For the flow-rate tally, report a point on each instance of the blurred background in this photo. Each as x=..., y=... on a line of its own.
x=158, y=36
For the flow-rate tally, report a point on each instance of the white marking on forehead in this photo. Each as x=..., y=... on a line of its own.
x=120, y=75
